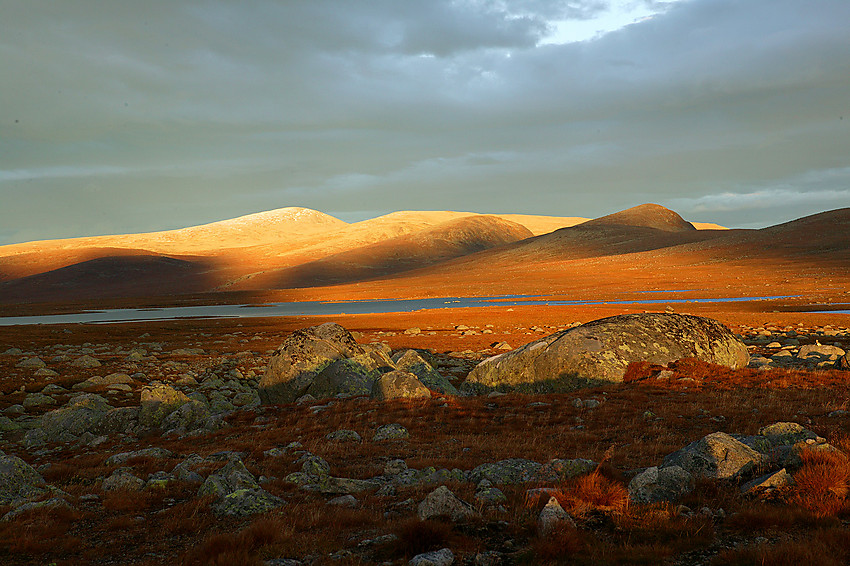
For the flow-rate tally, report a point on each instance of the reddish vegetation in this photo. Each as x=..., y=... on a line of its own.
x=655, y=412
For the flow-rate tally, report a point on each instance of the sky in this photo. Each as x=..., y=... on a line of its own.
x=124, y=116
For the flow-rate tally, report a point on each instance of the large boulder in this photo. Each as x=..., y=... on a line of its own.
x=600, y=351
x=305, y=353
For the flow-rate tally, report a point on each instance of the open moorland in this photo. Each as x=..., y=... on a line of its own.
x=161, y=442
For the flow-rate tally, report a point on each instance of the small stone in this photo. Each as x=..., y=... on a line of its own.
x=390, y=432
x=344, y=435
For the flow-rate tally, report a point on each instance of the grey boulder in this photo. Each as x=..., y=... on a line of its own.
x=715, y=456
x=601, y=350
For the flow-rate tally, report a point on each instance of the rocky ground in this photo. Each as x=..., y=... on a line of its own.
x=150, y=444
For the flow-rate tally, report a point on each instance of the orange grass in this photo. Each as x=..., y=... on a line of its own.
x=822, y=483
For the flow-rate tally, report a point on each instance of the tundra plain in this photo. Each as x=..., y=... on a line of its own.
x=135, y=494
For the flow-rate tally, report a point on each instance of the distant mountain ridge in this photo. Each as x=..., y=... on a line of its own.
x=300, y=248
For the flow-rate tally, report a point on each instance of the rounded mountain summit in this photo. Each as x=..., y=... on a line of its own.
x=645, y=216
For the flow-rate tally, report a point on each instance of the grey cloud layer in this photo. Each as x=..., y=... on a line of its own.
x=141, y=116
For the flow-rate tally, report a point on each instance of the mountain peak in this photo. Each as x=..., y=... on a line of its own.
x=645, y=216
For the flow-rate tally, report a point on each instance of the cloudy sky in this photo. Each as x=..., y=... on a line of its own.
x=128, y=116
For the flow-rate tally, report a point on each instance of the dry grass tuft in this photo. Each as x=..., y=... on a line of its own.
x=823, y=483
x=594, y=492
x=562, y=545
x=824, y=548
x=238, y=549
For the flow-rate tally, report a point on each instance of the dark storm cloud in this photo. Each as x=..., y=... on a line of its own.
x=139, y=116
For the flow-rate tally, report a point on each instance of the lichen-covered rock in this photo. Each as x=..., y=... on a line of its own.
x=19, y=482
x=443, y=503
x=345, y=378
x=392, y=431
x=82, y=413
x=511, y=471
x=600, y=351
x=715, y=456
x=232, y=477
x=654, y=484
x=157, y=402
x=315, y=466
x=411, y=362
x=399, y=385
x=246, y=502
x=305, y=353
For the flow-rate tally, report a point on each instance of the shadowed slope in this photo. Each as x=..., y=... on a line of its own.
x=131, y=275
x=443, y=242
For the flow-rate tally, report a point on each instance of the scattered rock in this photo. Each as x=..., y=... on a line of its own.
x=19, y=482
x=305, y=353
x=111, y=379
x=33, y=363
x=245, y=502
x=716, y=456
x=52, y=503
x=443, y=503
x=511, y=471
x=399, y=385
x=768, y=483
x=152, y=452
x=86, y=361
x=551, y=517
x=348, y=501
x=655, y=484
x=123, y=479
x=344, y=435
x=410, y=361
x=390, y=432
x=442, y=557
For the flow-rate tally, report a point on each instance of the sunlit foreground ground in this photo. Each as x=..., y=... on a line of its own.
x=635, y=425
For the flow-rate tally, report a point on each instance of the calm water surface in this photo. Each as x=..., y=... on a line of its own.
x=325, y=308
